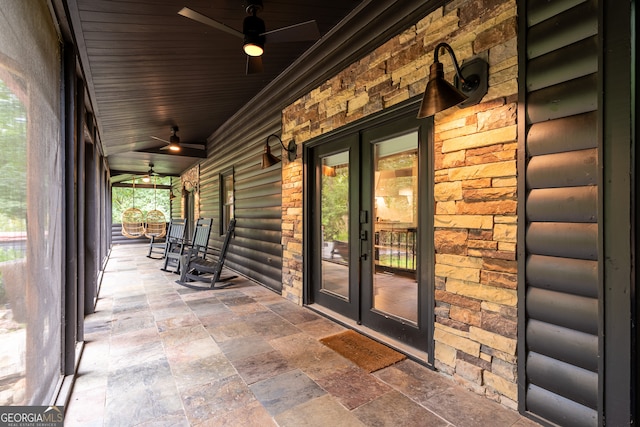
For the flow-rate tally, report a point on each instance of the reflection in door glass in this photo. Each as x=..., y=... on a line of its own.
x=395, y=289
x=334, y=213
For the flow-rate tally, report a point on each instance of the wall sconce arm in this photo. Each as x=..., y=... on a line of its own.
x=269, y=159
x=470, y=83
x=440, y=94
x=291, y=149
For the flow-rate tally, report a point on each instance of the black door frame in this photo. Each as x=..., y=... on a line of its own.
x=347, y=307
x=405, y=110
x=403, y=331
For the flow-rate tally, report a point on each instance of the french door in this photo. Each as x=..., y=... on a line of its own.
x=370, y=253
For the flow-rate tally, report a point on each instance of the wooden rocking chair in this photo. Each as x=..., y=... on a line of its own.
x=176, y=232
x=197, y=246
x=197, y=268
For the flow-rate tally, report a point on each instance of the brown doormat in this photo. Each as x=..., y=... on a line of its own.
x=370, y=355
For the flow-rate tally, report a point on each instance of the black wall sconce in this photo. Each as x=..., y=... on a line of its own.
x=440, y=94
x=269, y=159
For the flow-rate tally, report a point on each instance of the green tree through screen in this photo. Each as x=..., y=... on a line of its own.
x=13, y=181
x=13, y=161
x=145, y=199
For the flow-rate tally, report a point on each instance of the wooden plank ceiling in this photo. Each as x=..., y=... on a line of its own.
x=148, y=69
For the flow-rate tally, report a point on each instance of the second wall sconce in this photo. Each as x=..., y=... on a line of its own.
x=471, y=84
x=269, y=159
x=194, y=186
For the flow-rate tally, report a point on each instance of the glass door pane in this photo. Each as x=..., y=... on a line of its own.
x=335, y=220
x=395, y=287
x=333, y=212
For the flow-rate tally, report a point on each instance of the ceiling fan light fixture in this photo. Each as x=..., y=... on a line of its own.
x=253, y=49
x=150, y=173
x=253, y=28
x=174, y=140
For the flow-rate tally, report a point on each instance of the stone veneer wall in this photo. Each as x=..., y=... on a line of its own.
x=475, y=182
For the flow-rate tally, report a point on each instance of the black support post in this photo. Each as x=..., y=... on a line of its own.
x=70, y=226
x=91, y=229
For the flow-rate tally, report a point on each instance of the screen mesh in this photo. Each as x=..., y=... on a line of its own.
x=31, y=231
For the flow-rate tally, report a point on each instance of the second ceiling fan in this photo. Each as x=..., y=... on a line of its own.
x=254, y=34
x=174, y=143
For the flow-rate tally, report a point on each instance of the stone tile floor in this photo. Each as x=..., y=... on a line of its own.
x=160, y=354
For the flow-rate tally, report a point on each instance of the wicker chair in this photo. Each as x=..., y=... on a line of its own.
x=133, y=223
x=156, y=225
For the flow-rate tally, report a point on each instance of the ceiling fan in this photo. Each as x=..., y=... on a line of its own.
x=150, y=173
x=174, y=144
x=255, y=35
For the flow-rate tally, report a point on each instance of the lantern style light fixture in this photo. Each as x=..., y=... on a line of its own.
x=269, y=159
x=440, y=94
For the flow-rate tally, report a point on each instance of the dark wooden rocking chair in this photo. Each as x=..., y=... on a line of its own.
x=196, y=246
x=197, y=268
x=176, y=232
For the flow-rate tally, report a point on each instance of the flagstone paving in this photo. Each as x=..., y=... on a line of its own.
x=160, y=354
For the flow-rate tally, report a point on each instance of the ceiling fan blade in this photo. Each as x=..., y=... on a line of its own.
x=192, y=14
x=160, y=139
x=303, y=31
x=254, y=64
x=196, y=146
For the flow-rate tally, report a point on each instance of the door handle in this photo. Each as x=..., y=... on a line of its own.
x=364, y=248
